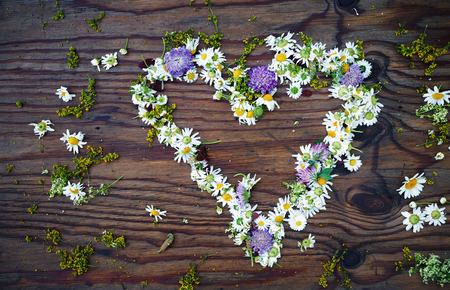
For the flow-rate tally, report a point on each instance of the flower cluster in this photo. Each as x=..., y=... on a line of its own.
x=247, y=91
x=431, y=268
x=110, y=240
x=79, y=262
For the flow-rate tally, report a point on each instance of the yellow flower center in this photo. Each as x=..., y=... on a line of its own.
x=73, y=141
x=165, y=68
x=281, y=57
x=191, y=76
x=299, y=223
x=193, y=51
x=352, y=162
x=204, y=56
x=278, y=219
x=250, y=114
x=74, y=191
x=63, y=93
x=286, y=206
x=261, y=223
x=268, y=98
x=237, y=73
x=219, y=186
x=332, y=134
x=411, y=184
x=226, y=197
x=239, y=111
x=345, y=68
x=219, y=67
x=437, y=96
x=154, y=212
x=186, y=150
x=343, y=58
x=321, y=181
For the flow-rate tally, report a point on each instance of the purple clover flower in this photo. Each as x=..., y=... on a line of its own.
x=353, y=77
x=319, y=152
x=178, y=61
x=240, y=195
x=307, y=175
x=261, y=241
x=261, y=79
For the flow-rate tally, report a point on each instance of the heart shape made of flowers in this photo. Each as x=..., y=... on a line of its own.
x=248, y=91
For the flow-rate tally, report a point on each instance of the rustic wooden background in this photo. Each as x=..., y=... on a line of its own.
x=365, y=209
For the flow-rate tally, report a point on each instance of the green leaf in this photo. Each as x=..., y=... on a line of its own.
x=325, y=174
x=246, y=195
x=318, y=141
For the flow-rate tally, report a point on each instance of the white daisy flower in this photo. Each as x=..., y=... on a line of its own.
x=239, y=72
x=73, y=141
x=414, y=220
x=276, y=216
x=340, y=92
x=143, y=114
x=352, y=162
x=221, y=185
x=248, y=182
x=74, y=190
x=303, y=77
x=268, y=101
x=365, y=67
x=307, y=243
x=318, y=49
x=434, y=215
x=303, y=55
x=282, y=59
x=63, y=94
x=434, y=97
x=210, y=75
x=239, y=239
x=192, y=43
x=157, y=213
x=109, y=60
x=185, y=138
x=191, y=76
x=96, y=63
x=295, y=90
x=42, y=127
x=227, y=197
x=277, y=230
x=220, y=84
x=185, y=153
x=319, y=193
x=249, y=117
x=297, y=220
x=168, y=133
x=412, y=186
x=328, y=67
x=262, y=222
x=211, y=180
x=270, y=257
x=282, y=43
x=369, y=118
x=439, y=155
x=204, y=56
x=281, y=71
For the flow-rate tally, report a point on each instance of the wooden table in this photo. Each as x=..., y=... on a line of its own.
x=364, y=211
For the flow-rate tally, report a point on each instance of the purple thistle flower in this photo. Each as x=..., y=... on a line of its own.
x=353, y=77
x=261, y=241
x=240, y=195
x=307, y=175
x=261, y=79
x=178, y=61
x=319, y=152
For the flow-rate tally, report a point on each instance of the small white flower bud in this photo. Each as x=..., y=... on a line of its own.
x=123, y=51
x=412, y=204
x=443, y=200
x=219, y=210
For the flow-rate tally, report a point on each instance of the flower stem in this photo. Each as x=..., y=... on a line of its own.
x=144, y=61
x=210, y=143
x=126, y=45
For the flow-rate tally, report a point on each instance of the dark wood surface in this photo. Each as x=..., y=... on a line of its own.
x=364, y=211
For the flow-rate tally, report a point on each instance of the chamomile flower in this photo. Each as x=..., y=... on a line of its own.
x=276, y=216
x=209, y=76
x=74, y=190
x=157, y=213
x=63, y=94
x=239, y=72
x=352, y=163
x=303, y=77
x=434, y=215
x=282, y=43
x=191, y=76
x=204, y=56
x=191, y=44
x=414, y=220
x=109, y=60
x=143, y=114
x=319, y=193
x=184, y=152
x=268, y=101
x=439, y=155
x=282, y=59
x=262, y=222
x=412, y=186
x=161, y=100
x=284, y=205
x=434, y=97
x=187, y=138
x=168, y=133
x=220, y=185
x=295, y=90
x=73, y=141
x=42, y=127
x=297, y=220
x=227, y=197
x=340, y=92
x=248, y=182
x=365, y=66
x=303, y=55
x=211, y=180
x=307, y=243
x=270, y=257
x=96, y=63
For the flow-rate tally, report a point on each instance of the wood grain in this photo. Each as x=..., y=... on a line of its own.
x=364, y=211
